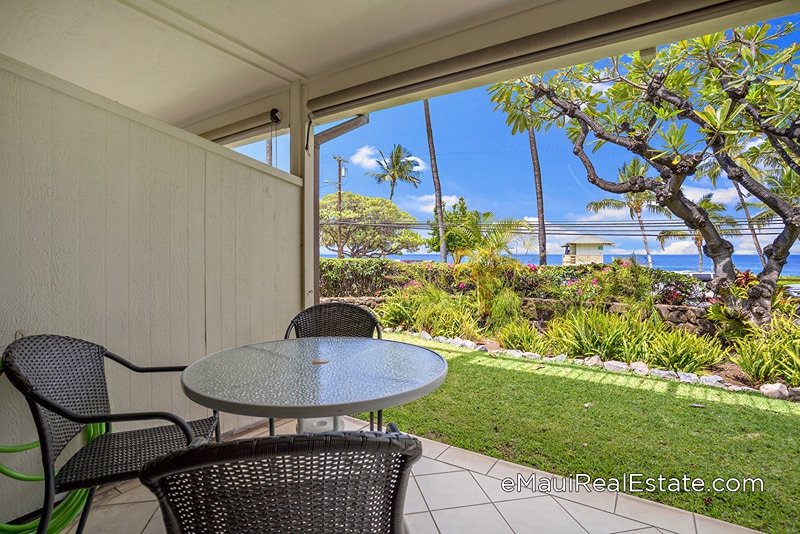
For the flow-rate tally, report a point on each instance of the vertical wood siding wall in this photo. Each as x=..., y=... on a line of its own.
x=137, y=236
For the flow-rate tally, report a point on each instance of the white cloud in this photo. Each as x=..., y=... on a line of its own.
x=419, y=165
x=426, y=203
x=685, y=246
x=725, y=195
x=365, y=157
x=606, y=215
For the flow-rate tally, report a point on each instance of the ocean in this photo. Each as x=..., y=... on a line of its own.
x=668, y=262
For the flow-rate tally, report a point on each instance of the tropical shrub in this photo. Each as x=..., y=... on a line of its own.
x=771, y=354
x=506, y=307
x=591, y=331
x=679, y=350
x=522, y=335
x=424, y=307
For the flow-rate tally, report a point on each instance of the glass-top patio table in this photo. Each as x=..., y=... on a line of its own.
x=314, y=377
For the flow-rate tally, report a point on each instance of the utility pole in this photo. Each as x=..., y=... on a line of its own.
x=339, y=175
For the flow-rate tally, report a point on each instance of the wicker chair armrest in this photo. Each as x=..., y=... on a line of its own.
x=138, y=369
x=113, y=418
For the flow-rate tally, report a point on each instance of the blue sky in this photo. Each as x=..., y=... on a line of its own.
x=480, y=160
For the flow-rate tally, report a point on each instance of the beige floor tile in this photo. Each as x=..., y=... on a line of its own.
x=137, y=493
x=105, y=494
x=426, y=466
x=420, y=523
x=503, y=469
x=538, y=515
x=156, y=524
x=605, y=500
x=467, y=459
x=648, y=530
x=414, y=501
x=708, y=525
x=492, y=488
x=597, y=521
x=120, y=518
x=471, y=520
x=432, y=449
x=448, y=490
x=351, y=423
x=655, y=514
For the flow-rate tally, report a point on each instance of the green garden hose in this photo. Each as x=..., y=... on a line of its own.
x=68, y=509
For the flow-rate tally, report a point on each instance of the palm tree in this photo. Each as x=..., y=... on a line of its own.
x=515, y=102
x=715, y=210
x=398, y=167
x=636, y=203
x=437, y=185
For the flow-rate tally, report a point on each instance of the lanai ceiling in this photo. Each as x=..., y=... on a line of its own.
x=185, y=60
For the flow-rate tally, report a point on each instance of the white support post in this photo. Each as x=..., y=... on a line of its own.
x=301, y=163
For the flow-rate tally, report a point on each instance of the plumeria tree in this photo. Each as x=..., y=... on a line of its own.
x=716, y=213
x=692, y=102
x=635, y=202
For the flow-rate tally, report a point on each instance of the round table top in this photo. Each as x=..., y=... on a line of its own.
x=313, y=377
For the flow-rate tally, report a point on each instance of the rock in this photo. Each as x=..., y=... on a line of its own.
x=594, y=361
x=560, y=358
x=441, y=339
x=514, y=353
x=688, y=378
x=616, y=366
x=426, y=336
x=640, y=368
x=794, y=394
x=388, y=330
x=482, y=348
x=467, y=344
x=713, y=380
x=618, y=307
x=398, y=329
x=531, y=355
x=661, y=373
x=579, y=361
x=774, y=391
x=457, y=341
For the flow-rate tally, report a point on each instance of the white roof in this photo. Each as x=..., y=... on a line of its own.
x=588, y=240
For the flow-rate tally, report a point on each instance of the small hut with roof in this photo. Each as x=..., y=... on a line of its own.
x=583, y=249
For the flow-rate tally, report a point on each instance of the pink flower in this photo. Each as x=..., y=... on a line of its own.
x=532, y=267
x=594, y=281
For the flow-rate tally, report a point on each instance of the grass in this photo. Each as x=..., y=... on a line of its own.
x=535, y=414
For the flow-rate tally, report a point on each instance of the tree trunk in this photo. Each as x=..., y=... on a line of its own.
x=750, y=224
x=437, y=185
x=537, y=186
x=644, y=240
x=391, y=189
x=699, y=245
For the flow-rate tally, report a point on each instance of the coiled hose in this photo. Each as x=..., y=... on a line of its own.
x=68, y=509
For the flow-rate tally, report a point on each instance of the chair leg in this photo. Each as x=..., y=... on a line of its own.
x=372, y=421
x=47, y=507
x=85, y=513
x=217, y=428
x=380, y=420
x=271, y=426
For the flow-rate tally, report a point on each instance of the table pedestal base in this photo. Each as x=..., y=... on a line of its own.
x=319, y=424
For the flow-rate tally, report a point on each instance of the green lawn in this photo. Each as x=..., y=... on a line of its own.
x=536, y=414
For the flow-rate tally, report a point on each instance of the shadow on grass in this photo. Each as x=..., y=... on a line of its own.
x=567, y=420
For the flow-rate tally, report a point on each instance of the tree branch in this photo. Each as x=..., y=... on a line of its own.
x=776, y=144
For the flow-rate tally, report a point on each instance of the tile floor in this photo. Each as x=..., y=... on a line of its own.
x=455, y=491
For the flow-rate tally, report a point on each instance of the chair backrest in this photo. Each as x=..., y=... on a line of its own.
x=334, y=319
x=66, y=371
x=330, y=482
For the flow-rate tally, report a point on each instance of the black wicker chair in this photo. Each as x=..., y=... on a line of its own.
x=337, y=319
x=330, y=482
x=63, y=380
x=334, y=319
